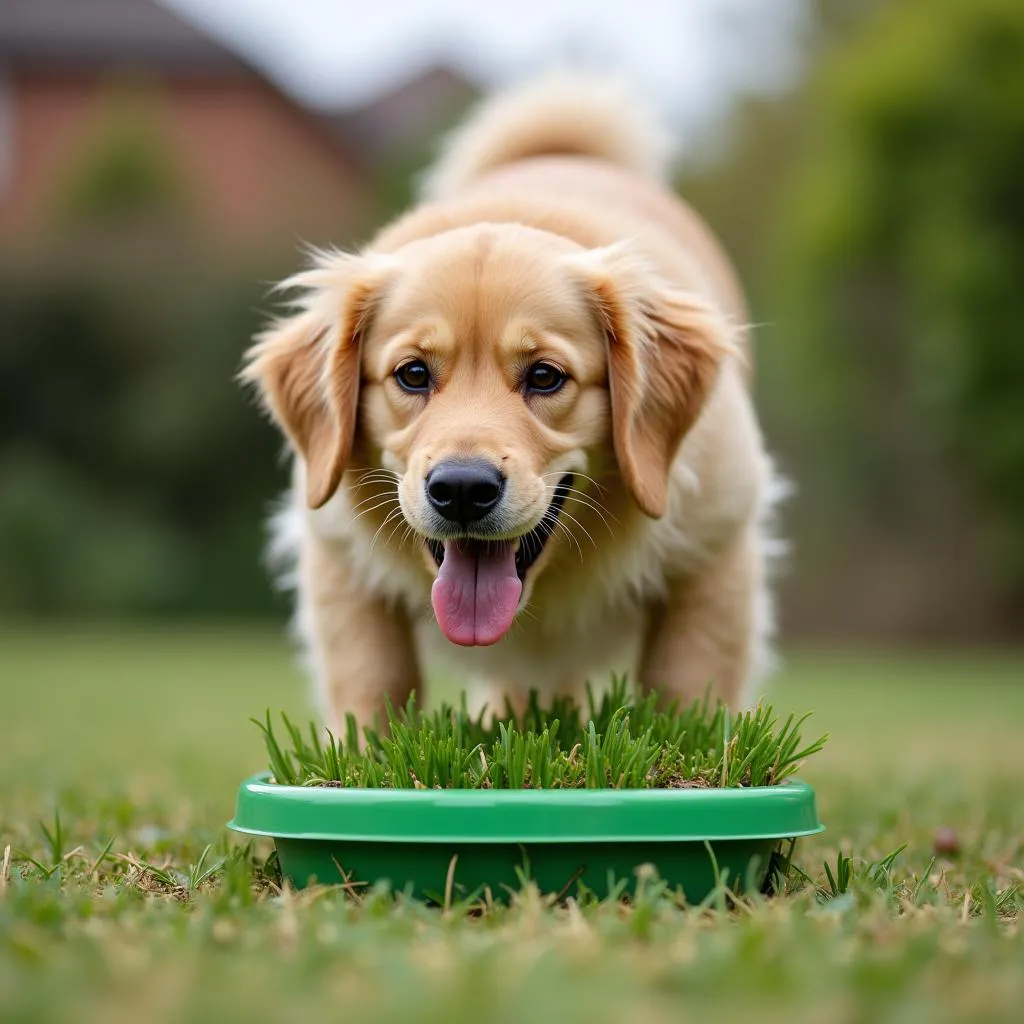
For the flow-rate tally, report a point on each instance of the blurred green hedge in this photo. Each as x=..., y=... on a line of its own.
x=899, y=270
x=134, y=472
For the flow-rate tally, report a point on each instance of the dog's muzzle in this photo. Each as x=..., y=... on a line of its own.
x=480, y=582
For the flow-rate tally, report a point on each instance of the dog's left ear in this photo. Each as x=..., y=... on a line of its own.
x=306, y=367
x=665, y=347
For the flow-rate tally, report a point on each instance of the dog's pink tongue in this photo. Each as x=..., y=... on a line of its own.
x=477, y=591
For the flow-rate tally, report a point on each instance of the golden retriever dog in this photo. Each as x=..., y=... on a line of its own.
x=525, y=449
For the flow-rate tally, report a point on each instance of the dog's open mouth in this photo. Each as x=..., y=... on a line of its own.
x=480, y=582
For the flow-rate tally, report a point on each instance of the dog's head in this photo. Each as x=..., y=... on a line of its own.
x=484, y=370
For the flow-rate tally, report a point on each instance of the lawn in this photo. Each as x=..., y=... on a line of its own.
x=139, y=738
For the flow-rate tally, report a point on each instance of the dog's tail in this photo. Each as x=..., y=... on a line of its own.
x=570, y=113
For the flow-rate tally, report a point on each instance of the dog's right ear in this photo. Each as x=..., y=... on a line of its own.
x=306, y=367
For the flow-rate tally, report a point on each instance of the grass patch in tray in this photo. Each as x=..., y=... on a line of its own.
x=571, y=798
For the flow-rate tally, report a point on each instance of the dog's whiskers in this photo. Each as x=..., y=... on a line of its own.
x=395, y=530
x=384, y=504
x=388, y=482
x=389, y=518
x=379, y=491
x=526, y=612
x=574, y=543
x=379, y=504
x=582, y=476
x=552, y=517
x=377, y=481
x=582, y=498
x=375, y=486
x=587, y=502
x=580, y=526
x=362, y=474
x=409, y=534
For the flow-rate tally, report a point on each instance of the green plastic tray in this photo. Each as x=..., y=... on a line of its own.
x=558, y=838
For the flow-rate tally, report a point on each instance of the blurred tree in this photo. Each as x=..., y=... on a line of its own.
x=900, y=256
x=134, y=473
x=125, y=168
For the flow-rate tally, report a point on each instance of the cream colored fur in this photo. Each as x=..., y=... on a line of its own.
x=545, y=218
x=557, y=113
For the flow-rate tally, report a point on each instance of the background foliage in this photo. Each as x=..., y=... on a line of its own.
x=901, y=249
x=876, y=213
x=134, y=473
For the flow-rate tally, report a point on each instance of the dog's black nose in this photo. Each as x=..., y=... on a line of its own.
x=464, y=492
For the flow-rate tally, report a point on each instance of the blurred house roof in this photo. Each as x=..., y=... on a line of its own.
x=410, y=113
x=83, y=34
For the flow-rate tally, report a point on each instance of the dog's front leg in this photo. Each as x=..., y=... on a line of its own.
x=361, y=645
x=708, y=631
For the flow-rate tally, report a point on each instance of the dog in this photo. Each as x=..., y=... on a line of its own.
x=525, y=447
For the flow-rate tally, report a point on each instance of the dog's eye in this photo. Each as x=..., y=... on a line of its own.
x=544, y=378
x=413, y=376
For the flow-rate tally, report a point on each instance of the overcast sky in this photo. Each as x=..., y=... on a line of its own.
x=691, y=56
